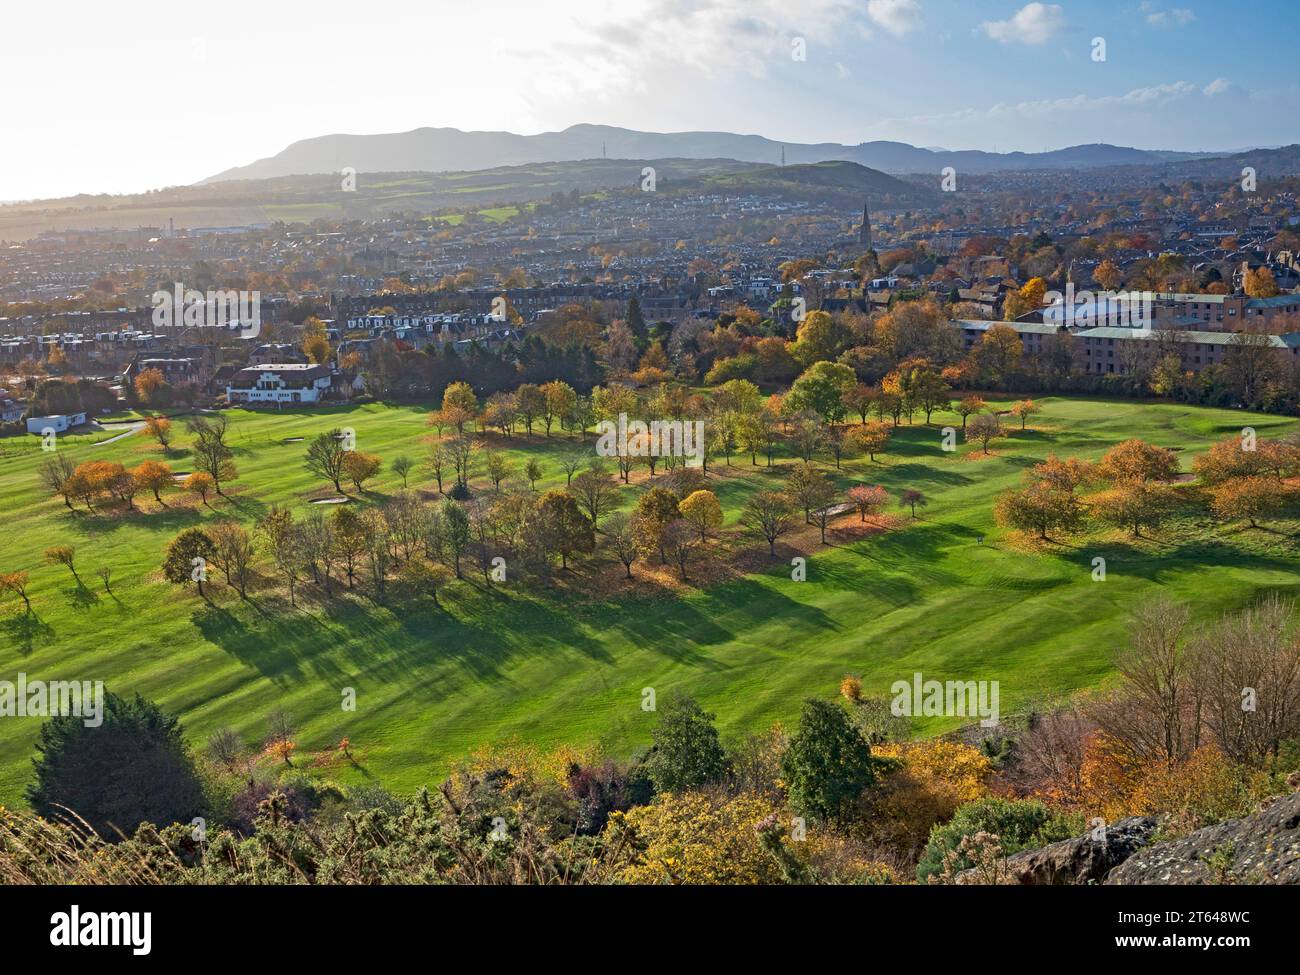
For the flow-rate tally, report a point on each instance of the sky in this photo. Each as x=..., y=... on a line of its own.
x=132, y=96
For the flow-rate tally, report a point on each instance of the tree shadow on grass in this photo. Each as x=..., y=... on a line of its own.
x=916, y=440
x=923, y=474
x=277, y=647
x=171, y=518
x=1030, y=435
x=1246, y=529
x=400, y=642
x=895, y=588
x=1082, y=444
x=1022, y=460
x=80, y=597
x=1155, y=561
x=245, y=506
x=920, y=540
x=24, y=631
x=483, y=629
x=683, y=629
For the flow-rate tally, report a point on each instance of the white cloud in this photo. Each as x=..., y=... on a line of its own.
x=720, y=38
x=1057, y=108
x=1175, y=17
x=1154, y=94
x=1176, y=109
x=896, y=16
x=1034, y=23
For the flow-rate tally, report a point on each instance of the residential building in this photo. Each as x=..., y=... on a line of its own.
x=59, y=423
x=278, y=383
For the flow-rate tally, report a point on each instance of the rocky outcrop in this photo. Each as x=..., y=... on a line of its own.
x=1263, y=848
x=1085, y=859
x=1260, y=849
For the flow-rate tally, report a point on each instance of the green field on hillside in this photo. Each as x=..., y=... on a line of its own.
x=949, y=595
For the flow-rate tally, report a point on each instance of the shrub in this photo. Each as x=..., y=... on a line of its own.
x=132, y=768
x=1019, y=824
x=828, y=764
x=698, y=839
x=686, y=751
x=932, y=778
x=600, y=790
x=1207, y=788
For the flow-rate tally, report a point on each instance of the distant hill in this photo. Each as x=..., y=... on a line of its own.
x=1267, y=163
x=493, y=193
x=846, y=184
x=446, y=150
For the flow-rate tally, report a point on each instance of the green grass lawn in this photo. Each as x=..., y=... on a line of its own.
x=554, y=667
x=490, y=214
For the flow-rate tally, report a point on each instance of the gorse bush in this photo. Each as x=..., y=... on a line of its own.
x=1019, y=824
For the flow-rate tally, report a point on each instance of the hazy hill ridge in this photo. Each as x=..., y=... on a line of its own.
x=446, y=150
x=240, y=202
